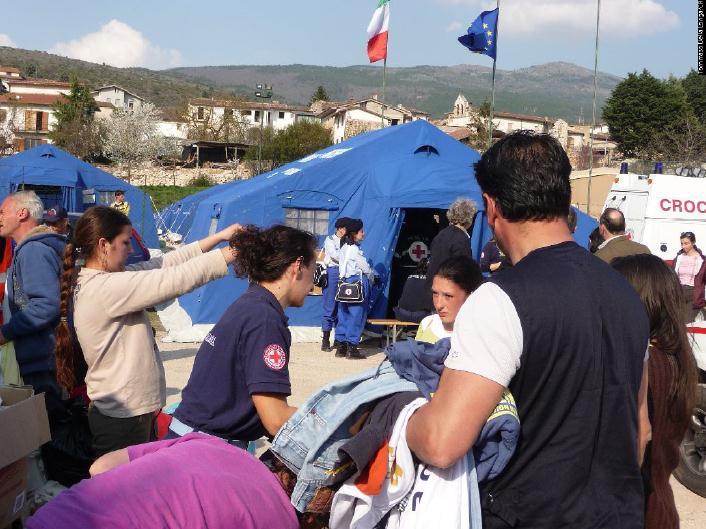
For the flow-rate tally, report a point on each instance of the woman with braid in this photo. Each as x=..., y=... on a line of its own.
x=106, y=301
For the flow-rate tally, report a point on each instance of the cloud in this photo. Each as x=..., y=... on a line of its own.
x=454, y=26
x=118, y=44
x=5, y=40
x=619, y=18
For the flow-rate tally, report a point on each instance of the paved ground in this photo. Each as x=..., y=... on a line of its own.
x=310, y=369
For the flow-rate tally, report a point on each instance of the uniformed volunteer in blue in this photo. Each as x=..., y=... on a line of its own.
x=332, y=247
x=239, y=384
x=352, y=316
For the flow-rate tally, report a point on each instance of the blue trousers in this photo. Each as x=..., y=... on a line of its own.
x=329, y=318
x=352, y=316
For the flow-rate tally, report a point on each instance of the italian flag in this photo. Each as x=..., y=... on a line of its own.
x=377, y=32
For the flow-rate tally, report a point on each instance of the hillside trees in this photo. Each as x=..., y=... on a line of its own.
x=76, y=130
x=296, y=141
x=659, y=119
x=319, y=95
x=695, y=88
x=640, y=107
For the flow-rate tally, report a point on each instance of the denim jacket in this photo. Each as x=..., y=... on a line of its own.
x=308, y=442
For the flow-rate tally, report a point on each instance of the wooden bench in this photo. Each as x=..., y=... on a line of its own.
x=391, y=328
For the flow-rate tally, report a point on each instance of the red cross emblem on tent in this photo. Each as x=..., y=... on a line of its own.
x=418, y=251
x=274, y=356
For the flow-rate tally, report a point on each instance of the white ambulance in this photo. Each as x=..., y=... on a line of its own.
x=658, y=208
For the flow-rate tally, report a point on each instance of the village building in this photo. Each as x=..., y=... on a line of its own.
x=117, y=97
x=350, y=118
x=8, y=73
x=272, y=114
x=27, y=110
x=574, y=138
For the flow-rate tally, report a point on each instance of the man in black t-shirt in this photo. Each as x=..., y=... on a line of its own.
x=567, y=336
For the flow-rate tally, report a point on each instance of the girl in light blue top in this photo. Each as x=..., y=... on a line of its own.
x=351, y=316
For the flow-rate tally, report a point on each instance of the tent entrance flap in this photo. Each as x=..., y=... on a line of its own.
x=420, y=226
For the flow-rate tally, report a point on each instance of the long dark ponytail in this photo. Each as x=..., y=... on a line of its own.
x=99, y=222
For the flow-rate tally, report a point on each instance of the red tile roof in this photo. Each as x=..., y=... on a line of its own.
x=31, y=99
x=9, y=69
x=457, y=133
x=38, y=82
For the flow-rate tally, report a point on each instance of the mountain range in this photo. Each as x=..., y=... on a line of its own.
x=556, y=89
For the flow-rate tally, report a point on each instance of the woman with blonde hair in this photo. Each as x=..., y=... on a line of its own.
x=106, y=302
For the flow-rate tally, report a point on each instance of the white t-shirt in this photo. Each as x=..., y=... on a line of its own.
x=487, y=336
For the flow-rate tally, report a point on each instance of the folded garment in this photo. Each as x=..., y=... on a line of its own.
x=376, y=430
x=423, y=363
x=308, y=443
x=353, y=509
x=419, y=362
x=498, y=439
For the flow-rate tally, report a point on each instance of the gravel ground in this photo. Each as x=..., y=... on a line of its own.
x=310, y=369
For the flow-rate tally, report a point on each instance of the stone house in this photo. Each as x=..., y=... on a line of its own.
x=350, y=118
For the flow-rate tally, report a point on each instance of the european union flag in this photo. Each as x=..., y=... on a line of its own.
x=482, y=36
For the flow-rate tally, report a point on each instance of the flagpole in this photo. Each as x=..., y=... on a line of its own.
x=492, y=90
x=593, y=120
x=384, y=76
x=492, y=107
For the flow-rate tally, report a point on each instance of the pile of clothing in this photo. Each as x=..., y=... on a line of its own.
x=343, y=457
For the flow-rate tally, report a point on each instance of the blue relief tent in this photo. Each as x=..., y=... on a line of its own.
x=62, y=179
x=378, y=176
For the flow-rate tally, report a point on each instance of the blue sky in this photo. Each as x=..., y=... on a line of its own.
x=659, y=35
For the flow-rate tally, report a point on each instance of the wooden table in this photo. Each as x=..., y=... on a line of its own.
x=392, y=325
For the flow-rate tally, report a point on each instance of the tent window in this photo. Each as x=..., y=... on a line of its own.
x=106, y=197
x=50, y=195
x=312, y=220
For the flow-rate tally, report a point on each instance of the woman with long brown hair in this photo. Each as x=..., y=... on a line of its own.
x=672, y=380
x=106, y=302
